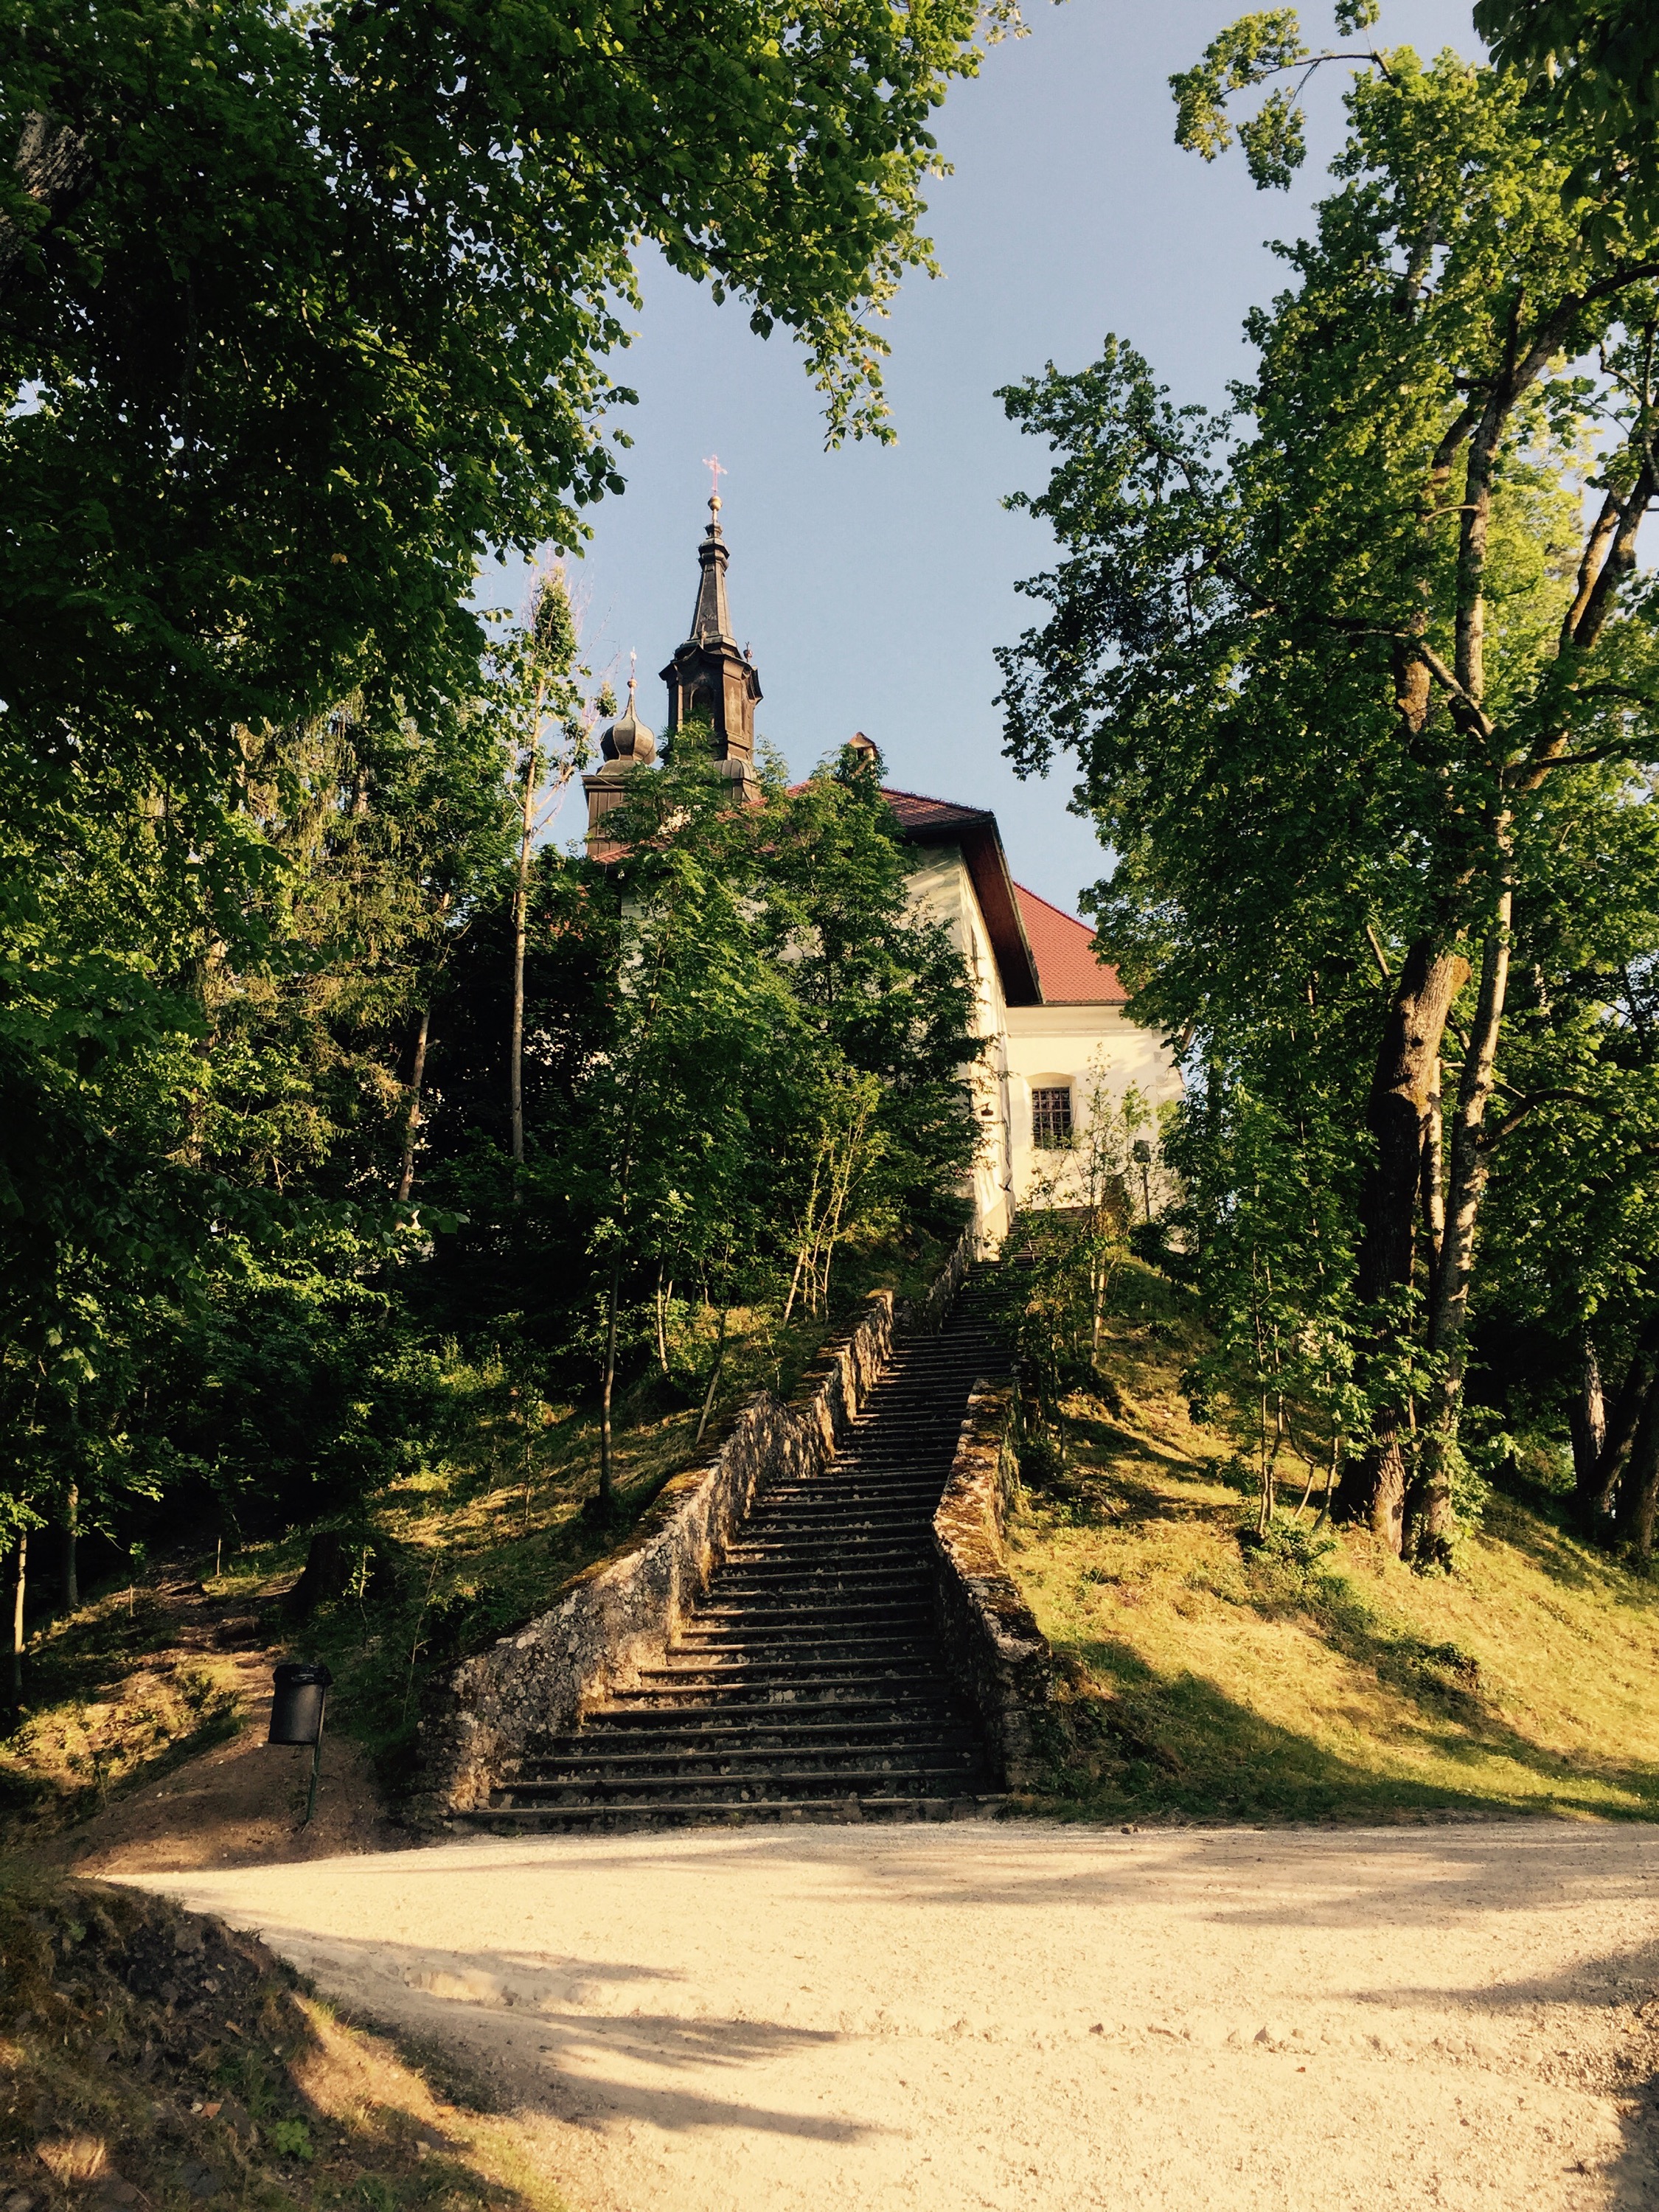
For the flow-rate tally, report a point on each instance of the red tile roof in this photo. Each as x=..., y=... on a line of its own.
x=920, y=814
x=1070, y=973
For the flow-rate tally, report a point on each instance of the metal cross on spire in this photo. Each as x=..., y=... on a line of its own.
x=712, y=463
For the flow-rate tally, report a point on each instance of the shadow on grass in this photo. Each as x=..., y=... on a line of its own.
x=176, y=2062
x=1128, y=1737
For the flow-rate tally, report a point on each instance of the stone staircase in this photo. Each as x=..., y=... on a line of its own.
x=810, y=1683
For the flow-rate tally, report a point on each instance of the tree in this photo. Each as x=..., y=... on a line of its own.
x=883, y=989
x=705, y=1037
x=1347, y=675
x=534, y=681
x=1596, y=63
x=313, y=307
x=303, y=313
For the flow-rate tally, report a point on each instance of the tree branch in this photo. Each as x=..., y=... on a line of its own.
x=1444, y=676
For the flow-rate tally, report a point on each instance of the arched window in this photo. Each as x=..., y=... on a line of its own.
x=1051, y=1115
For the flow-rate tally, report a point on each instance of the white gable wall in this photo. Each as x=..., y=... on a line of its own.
x=1029, y=1047
x=941, y=888
x=1066, y=1045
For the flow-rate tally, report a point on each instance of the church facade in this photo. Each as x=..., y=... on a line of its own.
x=1055, y=1020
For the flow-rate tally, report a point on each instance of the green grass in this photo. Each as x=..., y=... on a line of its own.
x=1316, y=1678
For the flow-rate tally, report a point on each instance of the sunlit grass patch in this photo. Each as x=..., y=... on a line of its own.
x=1313, y=1676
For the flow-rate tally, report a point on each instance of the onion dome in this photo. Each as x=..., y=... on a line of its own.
x=628, y=741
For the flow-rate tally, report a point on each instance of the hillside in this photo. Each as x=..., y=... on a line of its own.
x=1316, y=1678
x=1202, y=1678
x=140, y=1746
x=149, y=2057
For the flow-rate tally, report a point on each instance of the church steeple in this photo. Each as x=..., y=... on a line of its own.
x=709, y=677
x=711, y=623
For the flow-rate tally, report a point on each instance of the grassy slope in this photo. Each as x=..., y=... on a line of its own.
x=151, y=2057
x=1202, y=1680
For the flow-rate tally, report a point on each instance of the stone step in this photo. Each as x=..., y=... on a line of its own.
x=873, y=1513
x=853, y=1480
x=832, y=1610
x=754, y=1672
x=802, y=1584
x=864, y=1561
x=850, y=1692
x=876, y=1490
x=834, y=1648
x=874, y=1510
x=809, y=1682
x=675, y=1783
x=619, y=1817
x=850, y=1630
x=747, y=1762
x=780, y=1726
x=800, y=1533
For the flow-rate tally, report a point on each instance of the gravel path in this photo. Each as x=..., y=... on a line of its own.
x=1025, y=2016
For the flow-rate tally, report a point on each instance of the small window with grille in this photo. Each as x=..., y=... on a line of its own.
x=1051, y=1115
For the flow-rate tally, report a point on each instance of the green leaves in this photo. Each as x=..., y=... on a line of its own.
x=1594, y=64
x=1275, y=144
x=1246, y=53
x=1335, y=670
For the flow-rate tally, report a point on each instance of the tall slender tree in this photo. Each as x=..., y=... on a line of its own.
x=1345, y=671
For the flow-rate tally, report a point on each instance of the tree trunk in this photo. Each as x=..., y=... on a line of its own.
x=1372, y=1488
x=1430, y=1513
x=20, y=1590
x=607, y=1490
x=411, y=1127
x=1434, y=1192
x=520, y=911
x=1373, y=1485
x=56, y=171
x=1638, y=1493
x=1402, y=1088
x=714, y=1374
x=323, y=1578
x=1588, y=1423
x=71, y=1539
x=1595, y=1499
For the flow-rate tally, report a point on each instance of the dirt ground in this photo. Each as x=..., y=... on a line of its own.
x=1021, y=2014
x=240, y=1804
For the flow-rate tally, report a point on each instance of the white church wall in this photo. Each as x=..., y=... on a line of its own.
x=1055, y=1045
x=941, y=887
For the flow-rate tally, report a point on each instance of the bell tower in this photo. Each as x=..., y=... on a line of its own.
x=709, y=677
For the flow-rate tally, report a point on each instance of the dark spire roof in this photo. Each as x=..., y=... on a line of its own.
x=708, y=676
x=712, y=621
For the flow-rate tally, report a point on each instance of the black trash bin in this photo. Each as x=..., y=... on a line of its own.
x=296, y=1710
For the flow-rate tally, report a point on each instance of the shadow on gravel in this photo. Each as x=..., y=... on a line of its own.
x=540, y=2028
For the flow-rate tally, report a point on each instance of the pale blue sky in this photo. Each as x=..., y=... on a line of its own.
x=874, y=582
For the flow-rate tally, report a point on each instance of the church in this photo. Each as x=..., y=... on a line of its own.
x=1057, y=1019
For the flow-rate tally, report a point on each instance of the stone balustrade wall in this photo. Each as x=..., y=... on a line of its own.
x=620, y=1613
x=994, y=1646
